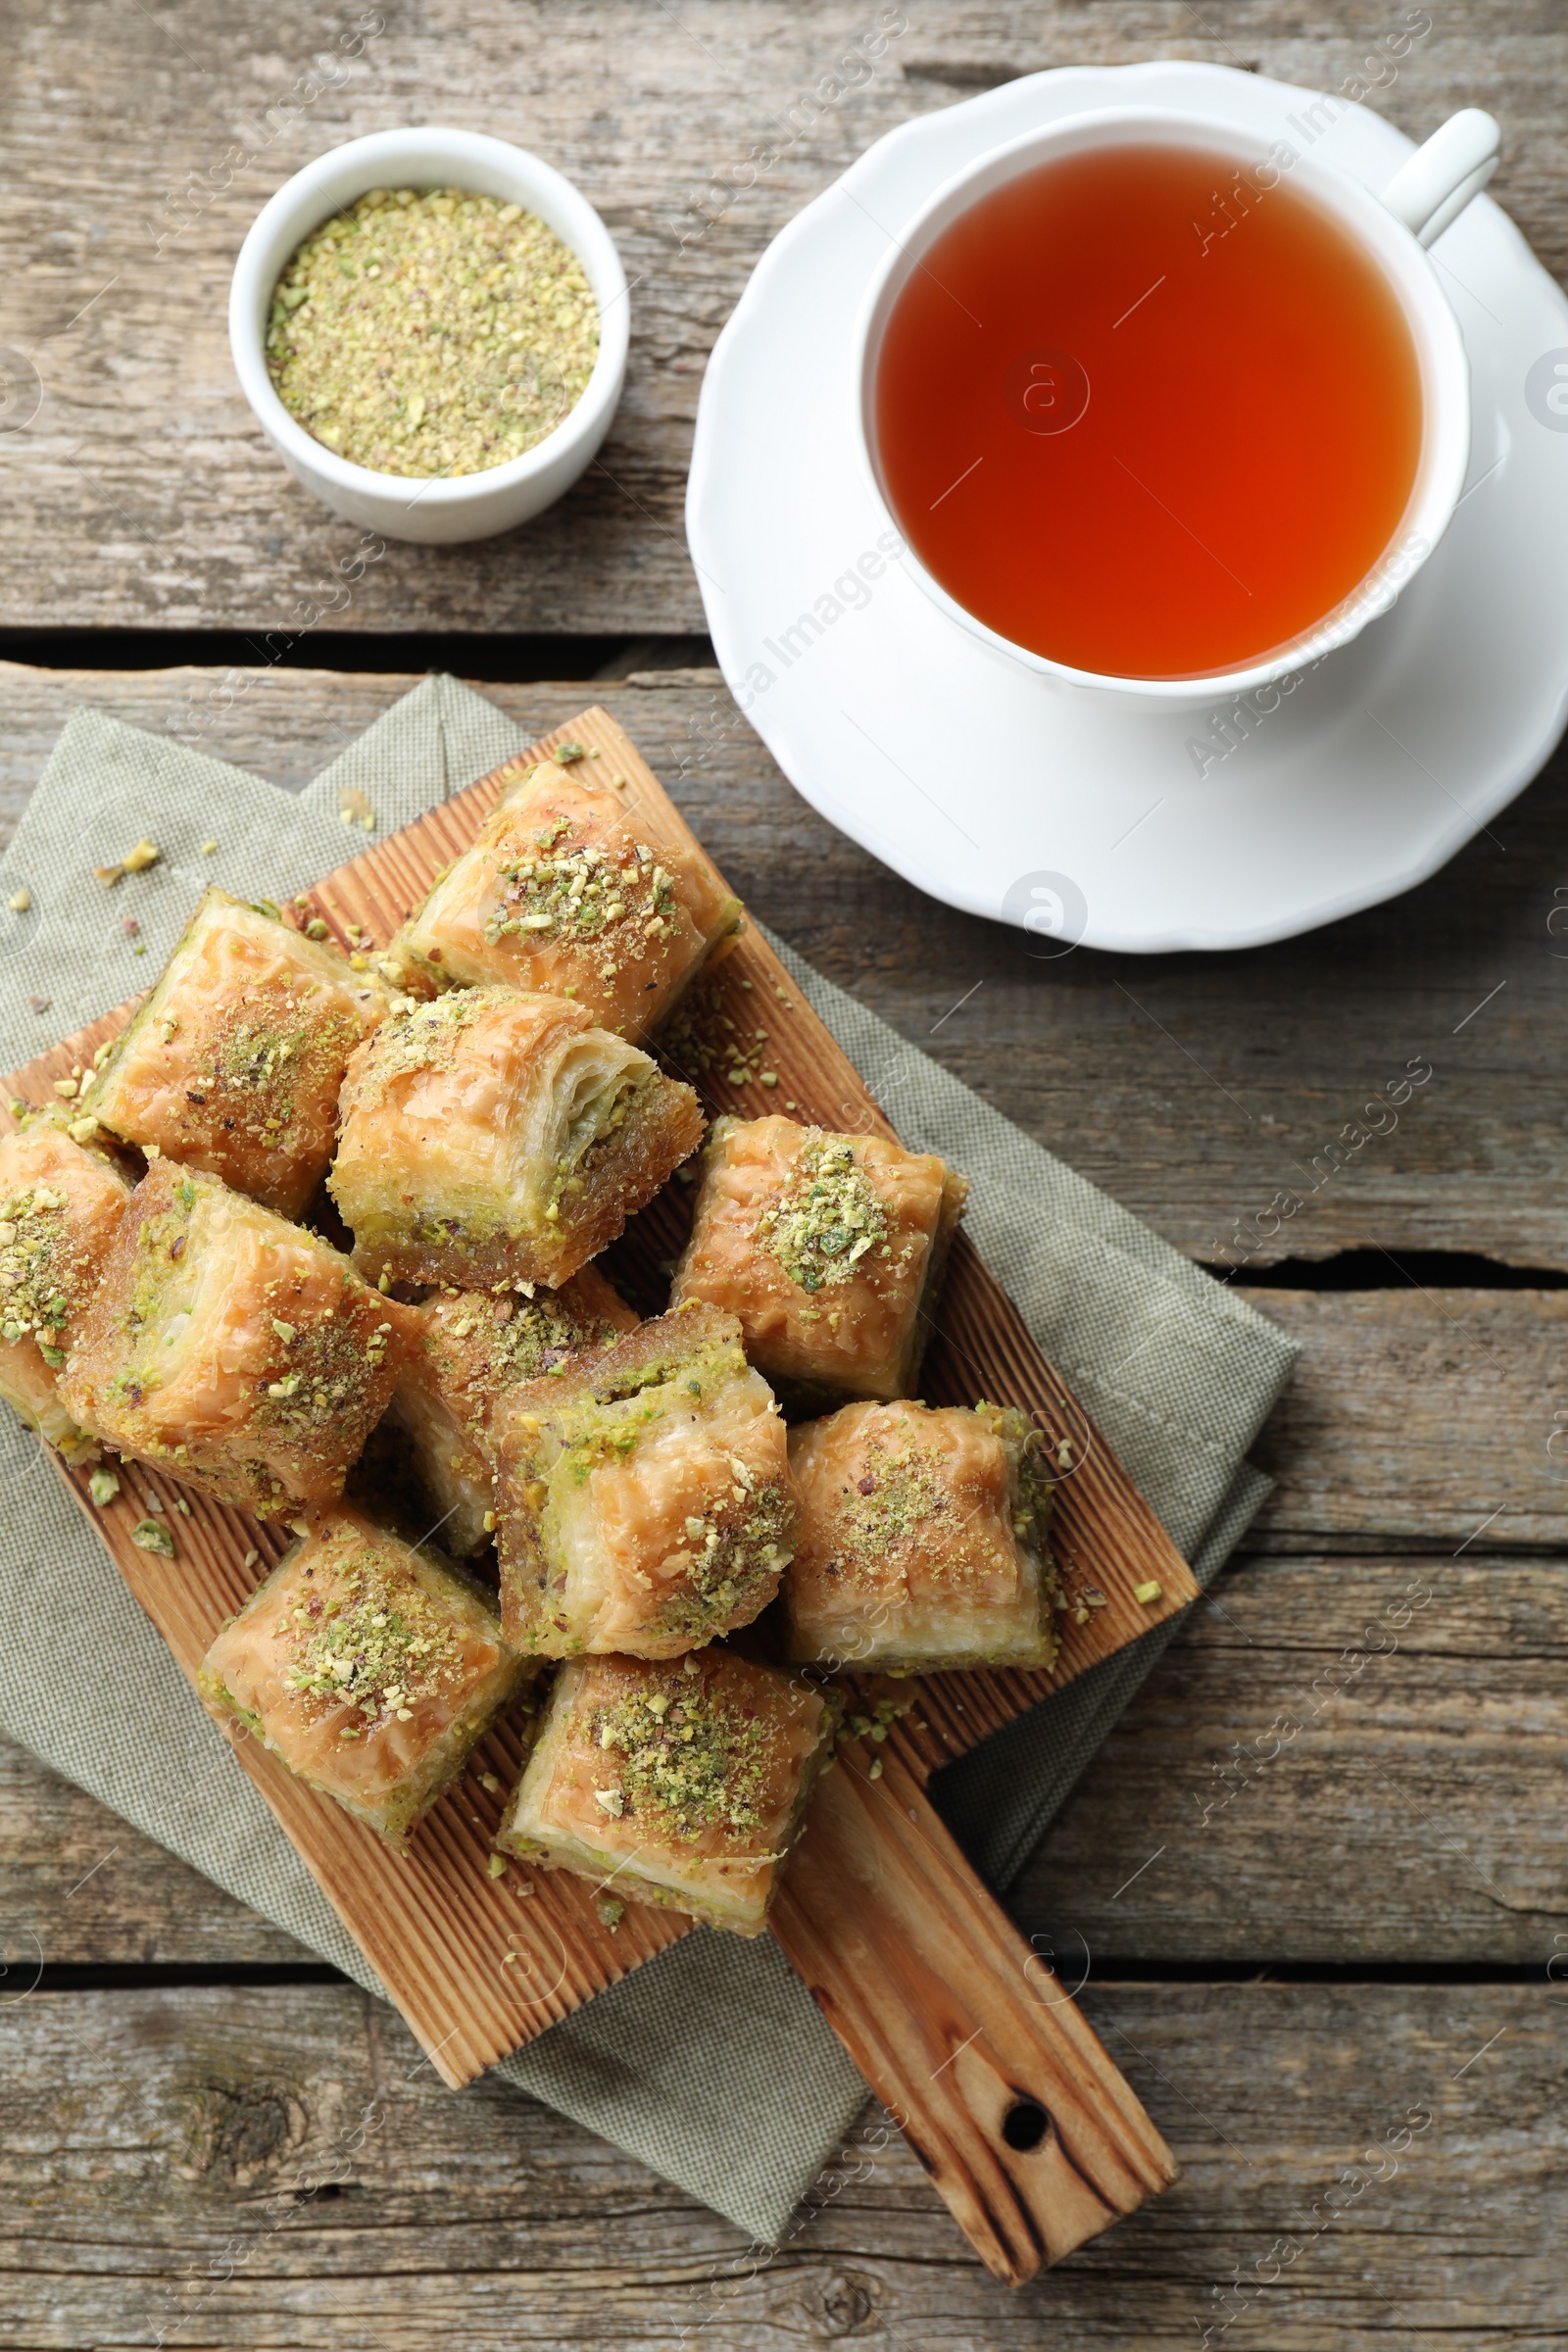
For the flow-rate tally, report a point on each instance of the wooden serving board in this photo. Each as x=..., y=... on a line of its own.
x=1026, y=2128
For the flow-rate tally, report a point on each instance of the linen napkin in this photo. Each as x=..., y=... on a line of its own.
x=710, y=2063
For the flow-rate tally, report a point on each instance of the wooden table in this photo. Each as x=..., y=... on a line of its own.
x=1321, y=1870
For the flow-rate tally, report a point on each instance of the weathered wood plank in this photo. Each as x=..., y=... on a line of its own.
x=1339, y=1760
x=137, y=150
x=238, y=2170
x=84, y=1889
x=1320, y=1780
x=1089, y=1053
x=1429, y=1414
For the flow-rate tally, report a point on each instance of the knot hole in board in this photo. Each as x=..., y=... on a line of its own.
x=1025, y=2125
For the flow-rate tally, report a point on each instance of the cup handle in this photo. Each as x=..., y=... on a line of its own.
x=1433, y=188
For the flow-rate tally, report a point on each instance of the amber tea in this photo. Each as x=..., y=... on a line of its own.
x=1145, y=414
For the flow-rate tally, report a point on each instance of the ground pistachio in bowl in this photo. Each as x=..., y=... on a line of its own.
x=431, y=332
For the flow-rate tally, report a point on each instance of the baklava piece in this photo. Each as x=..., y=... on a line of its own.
x=921, y=1541
x=60, y=1207
x=490, y=1137
x=234, y=1061
x=685, y=1785
x=830, y=1249
x=232, y=1349
x=643, y=1498
x=369, y=1666
x=575, y=888
x=470, y=1349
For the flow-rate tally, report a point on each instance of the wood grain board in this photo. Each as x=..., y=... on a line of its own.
x=185, y=2120
x=479, y=1966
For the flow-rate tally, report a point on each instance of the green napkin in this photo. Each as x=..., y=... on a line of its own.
x=709, y=2064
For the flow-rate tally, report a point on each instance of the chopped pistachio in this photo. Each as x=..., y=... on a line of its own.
x=103, y=1486
x=437, y=332
x=149, y=1536
x=497, y=1866
x=1150, y=1591
x=20, y=899
x=827, y=1217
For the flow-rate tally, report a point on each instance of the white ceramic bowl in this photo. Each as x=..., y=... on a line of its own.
x=1392, y=229
x=474, y=506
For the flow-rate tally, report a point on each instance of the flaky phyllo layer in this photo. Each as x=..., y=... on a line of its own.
x=369, y=1665
x=235, y=1349
x=471, y=1350
x=572, y=885
x=60, y=1207
x=643, y=1499
x=235, y=1062
x=490, y=1137
x=921, y=1539
x=686, y=1785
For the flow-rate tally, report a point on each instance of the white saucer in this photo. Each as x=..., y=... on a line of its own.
x=1005, y=796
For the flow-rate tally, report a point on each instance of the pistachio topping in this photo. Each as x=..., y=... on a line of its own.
x=699, y=1764
x=558, y=886
x=368, y=1634
x=433, y=331
x=729, y=1562
x=897, y=1495
x=480, y=1344
x=46, y=1272
x=422, y=1037
x=826, y=1217
x=900, y=1492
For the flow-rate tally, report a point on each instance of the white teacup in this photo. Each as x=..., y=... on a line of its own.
x=1391, y=227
